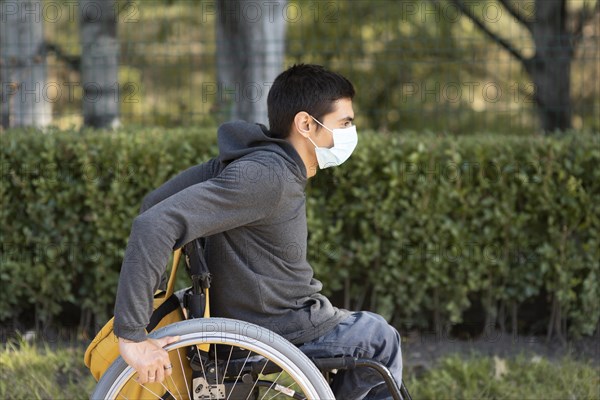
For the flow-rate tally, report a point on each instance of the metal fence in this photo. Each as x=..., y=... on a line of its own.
x=416, y=65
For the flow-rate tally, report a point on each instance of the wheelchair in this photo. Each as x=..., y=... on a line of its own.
x=220, y=358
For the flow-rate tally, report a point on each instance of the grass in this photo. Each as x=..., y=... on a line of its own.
x=39, y=372
x=478, y=377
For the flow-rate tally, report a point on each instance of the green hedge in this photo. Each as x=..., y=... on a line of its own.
x=415, y=226
x=423, y=224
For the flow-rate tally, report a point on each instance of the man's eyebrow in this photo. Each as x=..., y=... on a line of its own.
x=348, y=118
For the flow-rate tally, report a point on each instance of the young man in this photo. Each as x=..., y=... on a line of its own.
x=249, y=204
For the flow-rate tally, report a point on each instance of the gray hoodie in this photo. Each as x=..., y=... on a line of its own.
x=249, y=204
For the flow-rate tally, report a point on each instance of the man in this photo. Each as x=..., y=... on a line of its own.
x=249, y=204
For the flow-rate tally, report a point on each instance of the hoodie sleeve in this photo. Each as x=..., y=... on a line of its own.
x=245, y=192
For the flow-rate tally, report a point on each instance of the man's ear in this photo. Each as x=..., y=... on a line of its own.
x=302, y=122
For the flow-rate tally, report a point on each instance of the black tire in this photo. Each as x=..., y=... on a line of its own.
x=238, y=335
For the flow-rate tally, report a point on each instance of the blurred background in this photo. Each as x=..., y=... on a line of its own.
x=468, y=216
x=444, y=65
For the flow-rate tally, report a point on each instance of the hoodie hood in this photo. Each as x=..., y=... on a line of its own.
x=239, y=138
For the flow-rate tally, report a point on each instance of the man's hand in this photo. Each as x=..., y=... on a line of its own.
x=148, y=358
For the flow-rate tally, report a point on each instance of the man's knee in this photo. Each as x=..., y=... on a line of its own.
x=385, y=343
x=384, y=336
x=381, y=325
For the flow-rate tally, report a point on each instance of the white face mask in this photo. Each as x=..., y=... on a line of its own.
x=344, y=143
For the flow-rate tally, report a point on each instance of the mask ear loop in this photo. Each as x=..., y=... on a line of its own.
x=326, y=128
x=316, y=147
x=317, y=121
x=308, y=137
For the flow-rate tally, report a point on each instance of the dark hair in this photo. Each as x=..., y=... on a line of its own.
x=304, y=87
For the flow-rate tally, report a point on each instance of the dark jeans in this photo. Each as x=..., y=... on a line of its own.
x=366, y=335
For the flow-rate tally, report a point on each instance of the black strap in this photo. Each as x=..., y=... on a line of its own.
x=171, y=304
x=194, y=258
x=167, y=396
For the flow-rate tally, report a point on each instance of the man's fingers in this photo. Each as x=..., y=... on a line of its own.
x=149, y=358
x=173, y=339
x=142, y=377
x=168, y=370
x=162, y=342
x=159, y=374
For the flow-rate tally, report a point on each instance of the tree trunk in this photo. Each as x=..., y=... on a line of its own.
x=550, y=68
x=250, y=51
x=99, y=63
x=24, y=98
x=514, y=319
x=437, y=315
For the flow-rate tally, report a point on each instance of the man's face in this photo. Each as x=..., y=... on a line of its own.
x=341, y=117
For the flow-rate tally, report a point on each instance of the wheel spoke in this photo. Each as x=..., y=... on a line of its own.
x=216, y=366
x=271, y=387
x=260, y=349
x=238, y=377
x=227, y=365
x=176, y=386
x=201, y=365
x=166, y=388
x=287, y=387
x=253, y=386
x=150, y=390
x=187, y=385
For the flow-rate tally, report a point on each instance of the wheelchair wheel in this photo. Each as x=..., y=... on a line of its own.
x=220, y=358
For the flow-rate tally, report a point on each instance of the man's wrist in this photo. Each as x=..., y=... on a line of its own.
x=132, y=334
